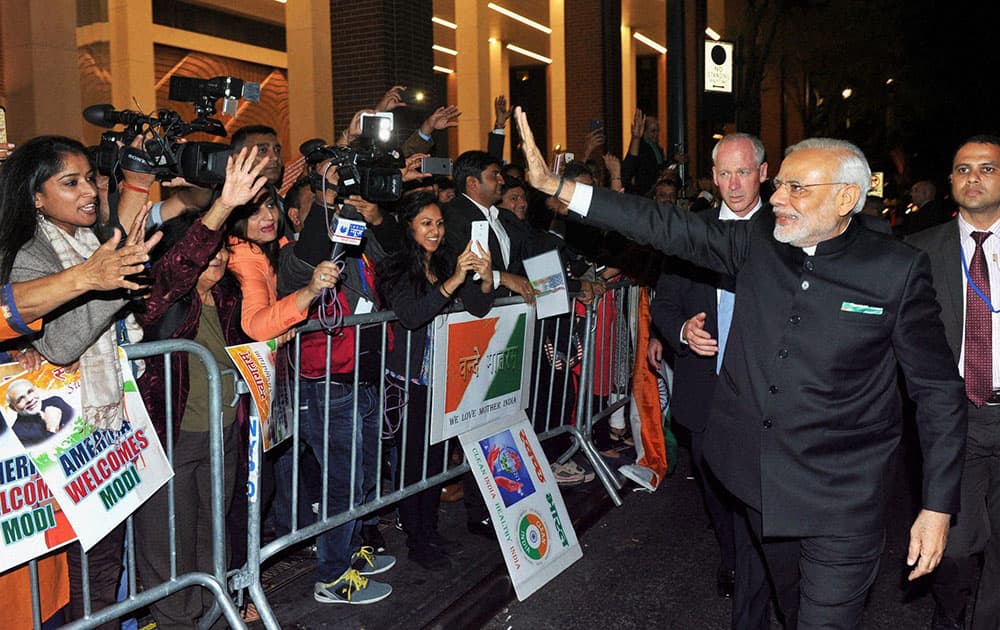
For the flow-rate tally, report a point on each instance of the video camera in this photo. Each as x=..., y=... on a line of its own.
x=201, y=163
x=368, y=167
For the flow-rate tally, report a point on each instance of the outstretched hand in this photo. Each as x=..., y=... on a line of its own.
x=538, y=171
x=243, y=178
x=698, y=339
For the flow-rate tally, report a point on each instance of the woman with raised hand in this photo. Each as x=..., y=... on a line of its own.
x=418, y=282
x=192, y=297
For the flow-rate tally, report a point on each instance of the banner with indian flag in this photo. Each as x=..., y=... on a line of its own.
x=481, y=368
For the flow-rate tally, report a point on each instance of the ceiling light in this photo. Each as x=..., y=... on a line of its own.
x=443, y=70
x=443, y=22
x=528, y=53
x=652, y=44
x=447, y=51
x=520, y=18
x=847, y=93
x=712, y=33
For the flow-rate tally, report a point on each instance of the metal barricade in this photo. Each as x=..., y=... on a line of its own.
x=559, y=403
x=215, y=582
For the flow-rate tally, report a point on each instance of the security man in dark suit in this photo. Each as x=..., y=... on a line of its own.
x=692, y=311
x=805, y=416
x=963, y=254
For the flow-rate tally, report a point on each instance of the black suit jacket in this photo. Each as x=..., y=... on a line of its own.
x=944, y=249
x=805, y=415
x=639, y=172
x=458, y=218
x=681, y=294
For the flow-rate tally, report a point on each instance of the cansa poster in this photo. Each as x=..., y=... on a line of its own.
x=532, y=525
x=484, y=365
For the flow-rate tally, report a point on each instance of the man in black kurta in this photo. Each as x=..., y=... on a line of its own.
x=805, y=417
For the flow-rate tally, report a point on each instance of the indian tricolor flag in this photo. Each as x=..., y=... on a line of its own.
x=484, y=367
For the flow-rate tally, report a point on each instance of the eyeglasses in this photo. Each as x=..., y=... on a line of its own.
x=795, y=189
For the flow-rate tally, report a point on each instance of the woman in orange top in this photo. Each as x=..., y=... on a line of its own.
x=254, y=243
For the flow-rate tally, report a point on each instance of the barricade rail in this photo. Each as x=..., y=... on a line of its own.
x=582, y=364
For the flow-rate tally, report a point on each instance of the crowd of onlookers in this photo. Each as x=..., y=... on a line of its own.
x=90, y=263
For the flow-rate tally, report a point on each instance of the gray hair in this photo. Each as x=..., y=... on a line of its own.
x=853, y=169
x=758, y=146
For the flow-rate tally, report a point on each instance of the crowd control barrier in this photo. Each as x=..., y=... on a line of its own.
x=214, y=582
x=580, y=375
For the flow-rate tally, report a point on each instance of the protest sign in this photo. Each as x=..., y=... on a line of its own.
x=481, y=368
x=534, y=530
x=98, y=477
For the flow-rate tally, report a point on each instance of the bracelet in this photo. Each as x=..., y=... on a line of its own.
x=614, y=178
x=444, y=291
x=562, y=180
x=144, y=191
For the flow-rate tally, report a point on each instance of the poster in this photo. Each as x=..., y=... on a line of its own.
x=97, y=477
x=532, y=525
x=547, y=277
x=481, y=368
x=264, y=367
x=31, y=521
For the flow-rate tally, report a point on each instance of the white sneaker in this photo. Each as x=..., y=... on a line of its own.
x=566, y=476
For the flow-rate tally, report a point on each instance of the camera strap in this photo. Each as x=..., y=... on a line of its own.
x=136, y=160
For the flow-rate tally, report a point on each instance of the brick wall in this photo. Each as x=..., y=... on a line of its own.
x=377, y=44
x=584, y=72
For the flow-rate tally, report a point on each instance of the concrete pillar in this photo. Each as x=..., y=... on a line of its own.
x=310, y=89
x=473, y=93
x=500, y=83
x=41, y=68
x=557, y=75
x=130, y=24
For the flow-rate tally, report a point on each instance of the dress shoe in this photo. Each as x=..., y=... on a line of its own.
x=429, y=558
x=725, y=583
x=482, y=528
x=943, y=621
x=439, y=543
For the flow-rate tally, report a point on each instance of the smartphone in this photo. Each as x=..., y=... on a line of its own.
x=377, y=126
x=596, y=124
x=3, y=125
x=481, y=236
x=435, y=165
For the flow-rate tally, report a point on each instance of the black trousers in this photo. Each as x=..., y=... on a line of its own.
x=418, y=513
x=820, y=581
x=976, y=529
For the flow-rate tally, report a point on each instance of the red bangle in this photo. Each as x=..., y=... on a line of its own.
x=144, y=191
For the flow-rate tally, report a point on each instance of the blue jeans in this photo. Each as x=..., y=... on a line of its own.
x=335, y=547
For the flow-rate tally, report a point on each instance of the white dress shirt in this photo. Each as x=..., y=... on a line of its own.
x=492, y=216
x=991, y=247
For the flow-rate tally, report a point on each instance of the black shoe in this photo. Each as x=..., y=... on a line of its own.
x=441, y=544
x=725, y=583
x=943, y=621
x=429, y=558
x=482, y=528
x=372, y=537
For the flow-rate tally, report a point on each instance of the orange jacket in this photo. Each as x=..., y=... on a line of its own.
x=264, y=315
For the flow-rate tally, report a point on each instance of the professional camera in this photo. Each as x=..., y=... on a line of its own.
x=201, y=163
x=368, y=167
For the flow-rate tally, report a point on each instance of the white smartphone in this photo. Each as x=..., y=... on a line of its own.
x=480, y=235
x=3, y=125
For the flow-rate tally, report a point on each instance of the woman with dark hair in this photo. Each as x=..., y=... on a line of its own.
x=192, y=297
x=48, y=210
x=419, y=281
x=255, y=239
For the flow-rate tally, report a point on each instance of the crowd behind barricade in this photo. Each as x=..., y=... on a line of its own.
x=251, y=259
